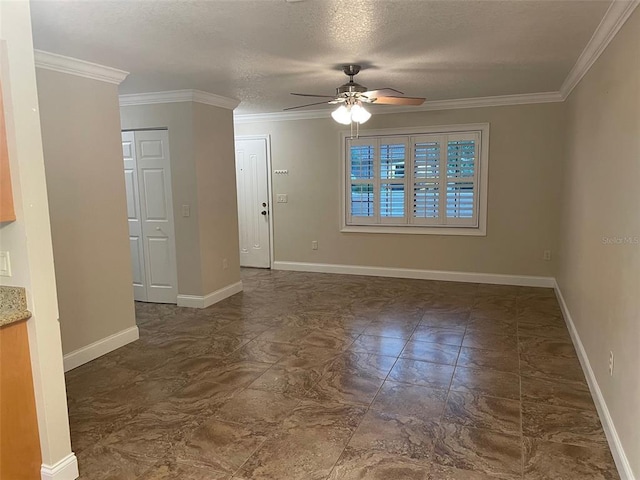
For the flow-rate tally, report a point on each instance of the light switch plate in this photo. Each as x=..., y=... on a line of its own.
x=186, y=211
x=282, y=198
x=5, y=264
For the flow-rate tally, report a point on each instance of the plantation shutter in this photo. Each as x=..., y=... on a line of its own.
x=362, y=184
x=393, y=163
x=461, y=179
x=426, y=182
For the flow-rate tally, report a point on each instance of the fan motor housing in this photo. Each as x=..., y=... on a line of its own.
x=350, y=88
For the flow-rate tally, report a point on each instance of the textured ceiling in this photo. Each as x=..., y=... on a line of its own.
x=260, y=50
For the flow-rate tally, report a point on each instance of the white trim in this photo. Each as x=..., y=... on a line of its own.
x=65, y=469
x=176, y=96
x=617, y=450
x=80, y=68
x=101, y=347
x=267, y=138
x=445, y=275
x=197, y=301
x=618, y=13
x=478, y=102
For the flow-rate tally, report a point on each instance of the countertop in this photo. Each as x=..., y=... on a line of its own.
x=13, y=305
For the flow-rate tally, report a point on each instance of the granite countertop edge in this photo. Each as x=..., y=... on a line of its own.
x=13, y=305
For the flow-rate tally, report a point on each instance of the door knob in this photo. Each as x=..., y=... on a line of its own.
x=263, y=212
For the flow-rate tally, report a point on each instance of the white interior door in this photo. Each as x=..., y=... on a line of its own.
x=133, y=215
x=154, y=255
x=253, y=202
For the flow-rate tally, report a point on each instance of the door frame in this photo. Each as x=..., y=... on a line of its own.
x=267, y=138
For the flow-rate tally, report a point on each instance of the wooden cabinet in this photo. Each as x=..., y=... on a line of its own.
x=7, y=213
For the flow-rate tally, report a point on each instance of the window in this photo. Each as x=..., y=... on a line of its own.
x=428, y=180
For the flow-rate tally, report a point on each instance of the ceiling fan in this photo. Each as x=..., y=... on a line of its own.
x=352, y=96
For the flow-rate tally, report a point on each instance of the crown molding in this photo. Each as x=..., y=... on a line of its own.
x=618, y=13
x=80, y=68
x=479, y=102
x=175, y=96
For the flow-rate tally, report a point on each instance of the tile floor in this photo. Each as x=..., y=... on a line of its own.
x=313, y=376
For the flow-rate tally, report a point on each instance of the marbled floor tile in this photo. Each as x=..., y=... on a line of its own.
x=557, y=392
x=199, y=398
x=361, y=363
x=293, y=382
x=424, y=403
x=222, y=446
x=479, y=450
x=431, y=352
x=490, y=341
x=417, y=372
x=562, y=425
x=171, y=470
x=263, y=411
x=441, y=472
x=449, y=336
x=103, y=463
x=534, y=319
x=309, y=357
x=153, y=433
x=244, y=328
x=558, y=368
x=262, y=351
x=342, y=386
x=396, y=435
x=556, y=332
x=291, y=335
x=492, y=325
x=504, y=361
x=356, y=464
x=546, y=347
x=386, y=346
x=391, y=329
x=235, y=374
x=445, y=320
x=548, y=460
x=480, y=411
x=486, y=382
x=336, y=339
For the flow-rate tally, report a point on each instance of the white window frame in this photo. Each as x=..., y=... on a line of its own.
x=420, y=228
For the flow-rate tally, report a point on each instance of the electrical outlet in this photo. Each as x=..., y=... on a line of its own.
x=314, y=245
x=282, y=198
x=186, y=211
x=225, y=264
x=611, y=363
x=546, y=255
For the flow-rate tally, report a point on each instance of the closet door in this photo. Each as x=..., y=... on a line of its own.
x=152, y=226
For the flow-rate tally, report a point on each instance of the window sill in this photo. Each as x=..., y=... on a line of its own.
x=402, y=230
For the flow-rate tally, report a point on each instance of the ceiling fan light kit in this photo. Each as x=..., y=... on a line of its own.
x=352, y=96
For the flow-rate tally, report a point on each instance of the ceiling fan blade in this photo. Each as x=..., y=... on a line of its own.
x=310, y=95
x=307, y=105
x=399, y=101
x=382, y=92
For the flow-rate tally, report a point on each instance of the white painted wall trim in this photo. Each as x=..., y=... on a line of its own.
x=612, y=22
x=65, y=469
x=501, y=100
x=617, y=450
x=450, y=276
x=176, y=96
x=101, y=347
x=80, y=68
x=196, y=301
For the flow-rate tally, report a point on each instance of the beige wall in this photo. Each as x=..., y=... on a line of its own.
x=525, y=150
x=85, y=180
x=601, y=199
x=202, y=165
x=178, y=118
x=28, y=239
x=215, y=164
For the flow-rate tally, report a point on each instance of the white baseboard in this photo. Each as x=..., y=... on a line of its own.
x=65, y=469
x=450, y=276
x=195, y=301
x=99, y=348
x=617, y=450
